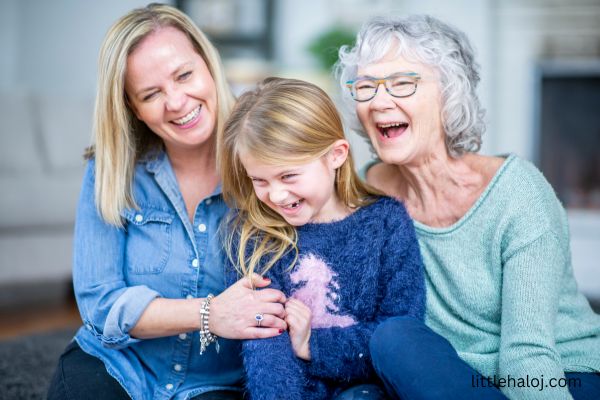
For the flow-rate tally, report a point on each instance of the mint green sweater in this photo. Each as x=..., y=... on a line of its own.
x=500, y=286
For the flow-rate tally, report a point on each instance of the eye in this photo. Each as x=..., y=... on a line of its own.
x=257, y=180
x=184, y=76
x=150, y=96
x=288, y=176
x=364, y=85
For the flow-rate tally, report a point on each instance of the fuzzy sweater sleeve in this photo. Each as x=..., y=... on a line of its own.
x=343, y=353
x=271, y=368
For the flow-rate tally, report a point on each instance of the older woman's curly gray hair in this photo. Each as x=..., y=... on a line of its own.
x=427, y=40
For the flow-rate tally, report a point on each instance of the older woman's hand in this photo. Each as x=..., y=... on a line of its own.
x=233, y=312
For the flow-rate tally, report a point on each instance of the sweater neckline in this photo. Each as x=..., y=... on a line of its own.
x=431, y=230
x=335, y=223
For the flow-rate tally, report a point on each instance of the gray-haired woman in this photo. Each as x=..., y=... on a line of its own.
x=493, y=235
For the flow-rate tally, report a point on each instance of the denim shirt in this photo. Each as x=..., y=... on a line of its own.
x=117, y=272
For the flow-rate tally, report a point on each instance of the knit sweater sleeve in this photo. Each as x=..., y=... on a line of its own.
x=530, y=290
x=272, y=370
x=342, y=354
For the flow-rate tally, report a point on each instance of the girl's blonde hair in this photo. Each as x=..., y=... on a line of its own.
x=121, y=139
x=282, y=122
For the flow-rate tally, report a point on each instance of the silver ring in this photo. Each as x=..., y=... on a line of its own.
x=259, y=318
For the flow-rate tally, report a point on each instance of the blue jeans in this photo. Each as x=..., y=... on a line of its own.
x=80, y=376
x=414, y=362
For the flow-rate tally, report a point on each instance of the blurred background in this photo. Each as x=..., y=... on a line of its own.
x=540, y=68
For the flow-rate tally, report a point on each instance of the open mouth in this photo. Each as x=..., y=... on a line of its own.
x=291, y=208
x=188, y=118
x=294, y=205
x=392, y=130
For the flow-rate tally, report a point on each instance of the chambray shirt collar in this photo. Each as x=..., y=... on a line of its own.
x=161, y=162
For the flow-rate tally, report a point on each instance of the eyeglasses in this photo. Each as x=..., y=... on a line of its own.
x=400, y=84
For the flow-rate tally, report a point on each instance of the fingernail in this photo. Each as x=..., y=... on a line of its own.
x=280, y=331
x=266, y=279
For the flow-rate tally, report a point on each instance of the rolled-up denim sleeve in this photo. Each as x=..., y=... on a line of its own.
x=109, y=308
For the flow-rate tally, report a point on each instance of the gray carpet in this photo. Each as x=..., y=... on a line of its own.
x=28, y=363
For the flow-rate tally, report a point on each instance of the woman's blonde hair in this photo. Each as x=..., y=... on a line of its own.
x=121, y=139
x=282, y=122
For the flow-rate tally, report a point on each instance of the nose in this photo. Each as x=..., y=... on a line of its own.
x=278, y=194
x=382, y=100
x=174, y=99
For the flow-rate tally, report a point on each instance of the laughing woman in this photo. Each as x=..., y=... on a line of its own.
x=147, y=256
x=493, y=235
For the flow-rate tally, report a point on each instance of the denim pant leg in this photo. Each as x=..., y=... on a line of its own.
x=414, y=362
x=80, y=376
x=583, y=385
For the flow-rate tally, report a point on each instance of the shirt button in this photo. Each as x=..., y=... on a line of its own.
x=202, y=228
x=189, y=297
x=139, y=218
x=182, y=336
x=169, y=386
x=195, y=263
x=177, y=367
x=360, y=355
x=208, y=201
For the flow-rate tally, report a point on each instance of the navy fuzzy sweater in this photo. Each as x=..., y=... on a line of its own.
x=353, y=274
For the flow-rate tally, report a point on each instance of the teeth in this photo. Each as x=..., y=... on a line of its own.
x=293, y=205
x=187, y=118
x=393, y=124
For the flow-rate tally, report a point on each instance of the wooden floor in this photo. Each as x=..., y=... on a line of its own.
x=39, y=318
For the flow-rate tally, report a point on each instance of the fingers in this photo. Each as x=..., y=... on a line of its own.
x=270, y=296
x=255, y=281
x=262, y=333
x=296, y=307
x=276, y=309
x=270, y=321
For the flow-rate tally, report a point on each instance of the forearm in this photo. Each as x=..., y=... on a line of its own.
x=168, y=317
x=530, y=292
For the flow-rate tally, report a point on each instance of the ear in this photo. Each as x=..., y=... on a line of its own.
x=339, y=153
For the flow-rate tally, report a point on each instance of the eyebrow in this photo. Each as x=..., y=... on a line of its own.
x=294, y=170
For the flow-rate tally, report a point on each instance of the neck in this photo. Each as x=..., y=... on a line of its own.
x=437, y=181
x=199, y=161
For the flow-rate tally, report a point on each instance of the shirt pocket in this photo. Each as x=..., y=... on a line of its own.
x=148, y=245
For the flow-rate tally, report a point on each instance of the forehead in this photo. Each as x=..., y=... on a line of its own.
x=393, y=63
x=162, y=50
x=262, y=168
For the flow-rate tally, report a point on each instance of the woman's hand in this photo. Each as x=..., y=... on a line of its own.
x=233, y=312
x=298, y=320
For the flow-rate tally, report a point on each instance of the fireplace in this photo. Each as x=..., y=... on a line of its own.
x=568, y=149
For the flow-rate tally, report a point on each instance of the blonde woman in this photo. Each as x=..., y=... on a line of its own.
x=346, y=257
x=148, y=266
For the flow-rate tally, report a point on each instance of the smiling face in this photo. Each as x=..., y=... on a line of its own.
x=169, y=87
x=403, y=130
x=300, y=193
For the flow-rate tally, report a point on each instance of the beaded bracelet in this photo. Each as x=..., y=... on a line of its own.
x=206, y=336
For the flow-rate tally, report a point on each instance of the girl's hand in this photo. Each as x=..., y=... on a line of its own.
x=298, y=320
x=233, y=312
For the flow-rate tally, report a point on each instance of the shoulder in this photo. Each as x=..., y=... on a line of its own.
x=388, y=214
x=379, y=175
x=525, y=184
x=528, y=201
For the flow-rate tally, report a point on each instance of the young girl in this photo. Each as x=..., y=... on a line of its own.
x=346, y=257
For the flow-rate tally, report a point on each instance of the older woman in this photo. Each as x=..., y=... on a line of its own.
x=147, y=257
x=493, y=236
